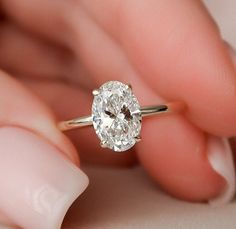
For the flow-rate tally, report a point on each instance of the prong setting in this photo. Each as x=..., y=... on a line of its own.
x=130, y=86
x=138, y=138
x=95, y=92
x=103, y=144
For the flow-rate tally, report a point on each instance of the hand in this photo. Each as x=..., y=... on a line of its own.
x=53, y=53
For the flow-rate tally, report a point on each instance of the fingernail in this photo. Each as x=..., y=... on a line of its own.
x=38, y=184
x=221, y=159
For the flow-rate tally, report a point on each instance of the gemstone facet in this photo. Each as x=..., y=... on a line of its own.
x=116, y=116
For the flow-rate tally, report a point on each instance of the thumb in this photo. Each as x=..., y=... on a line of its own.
x=38, y=173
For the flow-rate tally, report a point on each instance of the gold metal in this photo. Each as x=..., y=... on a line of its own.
x=162, y=109
x=76, y=123
x=103, y=144
x=95, y=92
x=138, y=138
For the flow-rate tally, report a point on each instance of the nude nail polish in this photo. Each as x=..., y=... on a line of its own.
x=38, y=184
x=221, y=160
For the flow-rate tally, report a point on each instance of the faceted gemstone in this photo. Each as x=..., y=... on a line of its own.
x=116, y=116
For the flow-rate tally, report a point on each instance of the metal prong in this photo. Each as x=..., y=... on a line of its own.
x=138, y=138
x=95, y=92
x=103, y=144
x=130, y=86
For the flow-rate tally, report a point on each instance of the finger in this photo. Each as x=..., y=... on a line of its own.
x=30, y=56
x=214, y=67
x=36, y=160
x=121, y=71
x=69, y=102
x=177, y=49
x=41, y=17
x=109, y=62
x=48, y=69
x=186, y=164
x=5, y=221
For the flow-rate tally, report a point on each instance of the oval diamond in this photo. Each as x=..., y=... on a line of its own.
x=116, y=116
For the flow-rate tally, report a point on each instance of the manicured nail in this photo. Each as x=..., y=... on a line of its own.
x=221, y=160
x=38, y=184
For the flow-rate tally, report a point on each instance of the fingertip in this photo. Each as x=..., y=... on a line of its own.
x=46, y=183
x=21, y=107
x=220, y=157
x=175, y=155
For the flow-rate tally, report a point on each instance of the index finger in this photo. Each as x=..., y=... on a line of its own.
x=178, y=50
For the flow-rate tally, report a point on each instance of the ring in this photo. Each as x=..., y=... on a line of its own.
x=117, y=116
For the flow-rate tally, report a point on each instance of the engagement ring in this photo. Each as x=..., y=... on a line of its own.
x=117, y=116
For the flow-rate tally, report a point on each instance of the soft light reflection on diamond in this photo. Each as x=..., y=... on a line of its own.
x=116, y=116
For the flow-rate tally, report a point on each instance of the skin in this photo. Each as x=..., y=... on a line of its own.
x=167, y=50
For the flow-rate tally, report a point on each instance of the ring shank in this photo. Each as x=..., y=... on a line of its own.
x=162, y=109
x=145, y=111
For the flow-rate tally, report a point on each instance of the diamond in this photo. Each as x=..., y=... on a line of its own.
x=116, y=116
